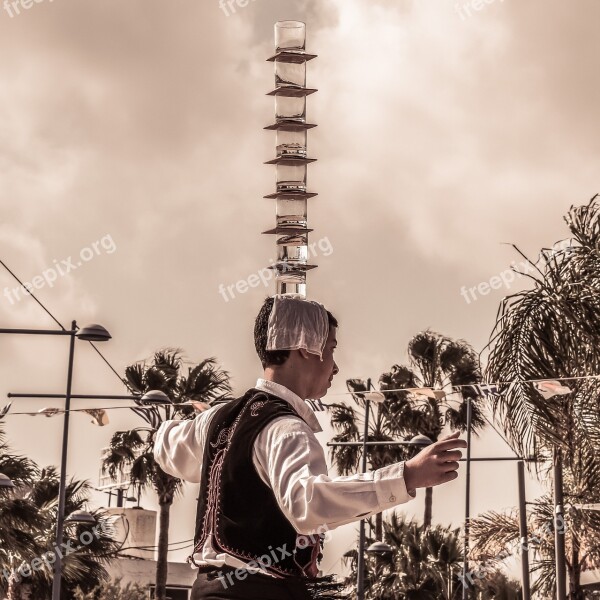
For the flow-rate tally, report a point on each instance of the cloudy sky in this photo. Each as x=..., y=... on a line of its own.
x=131, y=137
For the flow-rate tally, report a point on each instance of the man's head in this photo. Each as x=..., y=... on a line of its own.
x=313, y=374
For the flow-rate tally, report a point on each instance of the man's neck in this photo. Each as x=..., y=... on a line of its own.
x=286, y=378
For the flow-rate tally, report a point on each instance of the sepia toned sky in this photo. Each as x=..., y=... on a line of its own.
x=131, y=142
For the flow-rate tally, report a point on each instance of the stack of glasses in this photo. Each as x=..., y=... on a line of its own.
x=291, y=157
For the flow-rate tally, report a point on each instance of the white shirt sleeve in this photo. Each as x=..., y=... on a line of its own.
x=291, y=458
x=179, y=447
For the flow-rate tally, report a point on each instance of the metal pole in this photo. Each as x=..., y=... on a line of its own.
x=559, y=527
x=62, y=493
x=75, y=396
x=523, y=532
x=360, y=565
x=465, y=594
x=37, y=331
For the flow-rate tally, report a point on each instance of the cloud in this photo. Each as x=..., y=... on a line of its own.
x=438, y=140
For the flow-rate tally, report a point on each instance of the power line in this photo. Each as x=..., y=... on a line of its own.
x=60, y=324
x=482, y=385
x=21, y=284
x=412, y=390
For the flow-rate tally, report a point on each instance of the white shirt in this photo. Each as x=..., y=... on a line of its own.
x=290, y=460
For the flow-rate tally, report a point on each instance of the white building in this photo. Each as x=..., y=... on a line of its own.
x=135, y=529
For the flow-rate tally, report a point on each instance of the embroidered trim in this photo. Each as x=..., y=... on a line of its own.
x=211, y=503
x=234, y=551
x=214, y=475
x=256, y=406
x=214, y=496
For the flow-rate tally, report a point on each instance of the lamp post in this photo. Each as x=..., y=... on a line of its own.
x=525, y=585
x=559, y=529
x=91, y=333
x=360, y=565
x=420, y=440
x=151, y=397
x=467, y=500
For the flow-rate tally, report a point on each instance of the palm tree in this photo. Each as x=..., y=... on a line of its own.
x=438, y=363
x=547, y=332
x=113, y=591
x=346, y=421
x=493, y=532
x=497, y=586
x=86, y=567
x=28, y=516
x=424, y=565
x=19, y=519
x=133, y=450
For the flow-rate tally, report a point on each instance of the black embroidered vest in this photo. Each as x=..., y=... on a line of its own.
x=235, y=503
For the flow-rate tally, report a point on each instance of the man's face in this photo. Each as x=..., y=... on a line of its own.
x=324, y=371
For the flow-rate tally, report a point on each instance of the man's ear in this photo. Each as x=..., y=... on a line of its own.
x=304, y=353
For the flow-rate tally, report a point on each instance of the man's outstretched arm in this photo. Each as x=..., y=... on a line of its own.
x=293, y=462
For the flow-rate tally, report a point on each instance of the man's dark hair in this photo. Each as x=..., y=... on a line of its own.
x=273, y=357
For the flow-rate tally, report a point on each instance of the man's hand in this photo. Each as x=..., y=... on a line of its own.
x=435, y=464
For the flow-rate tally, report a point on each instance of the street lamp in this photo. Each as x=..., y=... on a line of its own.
x=90, y=333
x=155, y=397
x=420, y=440
x=380, y=549
x=81, y=517
x=371, y=395
x=360, y=565
x=423, y=440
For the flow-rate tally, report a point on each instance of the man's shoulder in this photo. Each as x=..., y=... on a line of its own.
x=255, y=401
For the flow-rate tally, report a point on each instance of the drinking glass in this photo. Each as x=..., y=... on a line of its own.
x=291, y=178
x=290, y=109
x=290, y=36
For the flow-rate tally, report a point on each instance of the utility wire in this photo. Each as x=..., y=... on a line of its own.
x=60, y=324
x=413, y=390
x=21, y=283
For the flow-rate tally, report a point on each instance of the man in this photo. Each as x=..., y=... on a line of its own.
x=265, y=497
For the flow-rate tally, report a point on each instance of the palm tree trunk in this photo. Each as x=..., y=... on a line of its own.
x=428, y=507
x=162, y=564
x=575, y=591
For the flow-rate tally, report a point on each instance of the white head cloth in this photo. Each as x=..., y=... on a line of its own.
x=296, y=323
